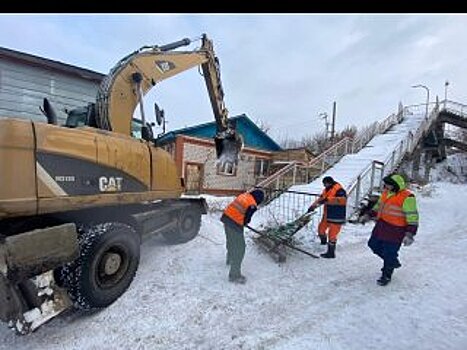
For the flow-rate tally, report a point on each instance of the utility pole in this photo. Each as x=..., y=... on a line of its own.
x=333, y=126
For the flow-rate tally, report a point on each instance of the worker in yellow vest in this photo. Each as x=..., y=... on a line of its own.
x=334, y=198
x=397, y=223
x=236, y=215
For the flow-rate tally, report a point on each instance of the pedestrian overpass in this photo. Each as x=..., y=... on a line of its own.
x=413, y=135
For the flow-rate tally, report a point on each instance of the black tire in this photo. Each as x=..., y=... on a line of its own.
x=187, y=228
x=109, y=258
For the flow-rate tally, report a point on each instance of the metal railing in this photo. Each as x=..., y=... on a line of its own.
x=296, y=172
x=455, y=107
x=376, y=128
x=414, y=138
x=301, y=173
x=285, y=207
x=370, y=179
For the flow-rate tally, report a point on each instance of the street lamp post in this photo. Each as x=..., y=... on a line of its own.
x=427, y=96
x=446, y=84
x=324, y=116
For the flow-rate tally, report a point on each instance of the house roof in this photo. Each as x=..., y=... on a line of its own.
x=252, y=135
x=61, y=67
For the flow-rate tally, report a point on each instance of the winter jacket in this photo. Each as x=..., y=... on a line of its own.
x=396, y=213
x=335, y=203
x=240, y=210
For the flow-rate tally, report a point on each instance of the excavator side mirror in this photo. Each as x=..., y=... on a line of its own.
x=159, y=114
x=49, y=112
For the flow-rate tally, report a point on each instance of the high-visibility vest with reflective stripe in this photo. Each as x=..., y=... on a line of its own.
x=237, y=208
x=391, y=208
x=334, y=207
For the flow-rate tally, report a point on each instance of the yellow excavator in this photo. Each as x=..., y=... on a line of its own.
x=76, y=199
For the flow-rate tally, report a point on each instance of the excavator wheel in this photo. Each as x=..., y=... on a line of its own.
x=109, y=258
x=188, y=224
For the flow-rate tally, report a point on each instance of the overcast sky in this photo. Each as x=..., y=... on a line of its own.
x=281, y=69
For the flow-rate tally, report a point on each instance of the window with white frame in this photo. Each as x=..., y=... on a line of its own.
x=261, y=167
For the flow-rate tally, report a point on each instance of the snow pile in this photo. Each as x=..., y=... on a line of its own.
x=454, y=169
x=215, y=203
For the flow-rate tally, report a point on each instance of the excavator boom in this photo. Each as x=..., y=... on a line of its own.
x=136, y=74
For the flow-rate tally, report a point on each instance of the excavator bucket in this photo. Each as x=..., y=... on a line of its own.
x=228, y=146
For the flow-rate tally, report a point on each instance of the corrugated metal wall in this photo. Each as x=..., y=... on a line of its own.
x=23, y=87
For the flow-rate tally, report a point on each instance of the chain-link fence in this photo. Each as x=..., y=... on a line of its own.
x=286, y=206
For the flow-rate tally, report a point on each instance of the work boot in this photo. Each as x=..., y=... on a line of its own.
x=330, y=254
x=324, y=239
x=240, y=279
x=385, y=277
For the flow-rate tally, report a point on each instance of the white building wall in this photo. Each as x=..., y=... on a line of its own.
x=207, y=155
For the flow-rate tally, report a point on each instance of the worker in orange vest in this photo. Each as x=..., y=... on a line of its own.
x=397, y=223
x=334, y=198
x=236, y=215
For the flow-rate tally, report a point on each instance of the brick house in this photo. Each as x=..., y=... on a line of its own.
x=195, y=155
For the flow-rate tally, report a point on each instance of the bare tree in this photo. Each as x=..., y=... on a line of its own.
x=264, y=127
x=349, y=131
x=287, y=142
x=318, y=142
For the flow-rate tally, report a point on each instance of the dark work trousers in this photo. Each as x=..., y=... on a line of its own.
x=235, y=244
x=388, y=251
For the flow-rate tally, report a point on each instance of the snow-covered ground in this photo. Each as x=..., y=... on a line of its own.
x=181, y=299
x=453, y=170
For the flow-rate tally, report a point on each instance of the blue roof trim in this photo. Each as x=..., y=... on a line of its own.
x=252, y=135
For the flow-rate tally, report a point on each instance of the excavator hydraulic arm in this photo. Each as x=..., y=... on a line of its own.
x=134, y=75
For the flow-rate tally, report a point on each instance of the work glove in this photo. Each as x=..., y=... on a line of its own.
x=408, y=239
x=311, y=208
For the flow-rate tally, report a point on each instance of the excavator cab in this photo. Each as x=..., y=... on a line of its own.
x=81, y=116
x=141, y=131
x=85, y=116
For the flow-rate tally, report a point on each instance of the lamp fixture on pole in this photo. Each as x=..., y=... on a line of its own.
x=427, y=96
